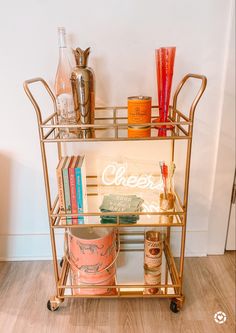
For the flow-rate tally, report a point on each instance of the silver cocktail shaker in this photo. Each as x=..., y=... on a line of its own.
x=82, y=81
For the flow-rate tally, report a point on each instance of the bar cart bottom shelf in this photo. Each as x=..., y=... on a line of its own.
x=134, y=286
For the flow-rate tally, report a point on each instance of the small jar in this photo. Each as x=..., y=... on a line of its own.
x=167, y=205
x=153, y=244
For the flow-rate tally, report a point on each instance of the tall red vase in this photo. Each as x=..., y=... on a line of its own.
x=165, y=57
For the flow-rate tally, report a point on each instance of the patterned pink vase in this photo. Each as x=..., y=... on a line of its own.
x=92, y=254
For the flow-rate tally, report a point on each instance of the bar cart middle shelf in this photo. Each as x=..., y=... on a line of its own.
x=111, y=124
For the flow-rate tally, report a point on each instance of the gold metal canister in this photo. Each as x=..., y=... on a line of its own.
x=139, y=112
x=167, y=205
x=153, y=250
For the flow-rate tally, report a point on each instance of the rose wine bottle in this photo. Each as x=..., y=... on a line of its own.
x=63, y=90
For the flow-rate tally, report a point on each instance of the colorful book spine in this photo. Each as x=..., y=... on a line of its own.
x=61, y=185
x=79, y=193
x=67, y=190
x=80, y=176
x=72, y=182
x=84, y=189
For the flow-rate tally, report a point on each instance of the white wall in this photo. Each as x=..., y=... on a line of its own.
x=123, y=36
x=225, y=159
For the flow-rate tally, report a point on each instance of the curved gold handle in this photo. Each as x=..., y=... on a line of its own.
x=28, y=92
x=198, y=96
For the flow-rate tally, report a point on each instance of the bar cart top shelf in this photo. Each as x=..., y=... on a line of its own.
x=111, y=123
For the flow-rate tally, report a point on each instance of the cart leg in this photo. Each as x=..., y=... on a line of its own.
x=54, y=303
x=176, y=304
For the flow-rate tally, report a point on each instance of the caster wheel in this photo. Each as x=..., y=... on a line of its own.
x=61, y=262
x=174, y=307
x=52, y=306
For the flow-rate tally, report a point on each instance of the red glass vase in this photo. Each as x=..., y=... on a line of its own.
x=165, y=57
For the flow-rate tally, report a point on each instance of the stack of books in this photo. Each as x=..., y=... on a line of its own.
x=71, y=179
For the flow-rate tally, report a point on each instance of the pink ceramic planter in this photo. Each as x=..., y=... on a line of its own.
x=92, y=256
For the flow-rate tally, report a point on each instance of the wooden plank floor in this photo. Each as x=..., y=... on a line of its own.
x=209, y=287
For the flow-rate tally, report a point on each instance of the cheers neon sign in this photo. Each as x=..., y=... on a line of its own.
x=115, y=174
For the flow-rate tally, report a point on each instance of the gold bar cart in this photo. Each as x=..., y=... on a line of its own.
x=116, y=130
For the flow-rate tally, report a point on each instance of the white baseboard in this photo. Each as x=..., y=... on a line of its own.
x=21, y=247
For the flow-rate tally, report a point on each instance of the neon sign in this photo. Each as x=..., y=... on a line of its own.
x=115, y=174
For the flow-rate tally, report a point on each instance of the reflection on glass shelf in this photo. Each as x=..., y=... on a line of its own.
x=130, y=278
x=131, y=271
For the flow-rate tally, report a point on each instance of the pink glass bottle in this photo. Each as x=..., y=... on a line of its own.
x=63, y=88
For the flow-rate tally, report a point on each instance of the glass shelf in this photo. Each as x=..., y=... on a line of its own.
x=111, y=124
x=129, y=278
x=92, y=218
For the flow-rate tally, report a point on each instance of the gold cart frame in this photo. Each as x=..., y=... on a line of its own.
x=182, y=129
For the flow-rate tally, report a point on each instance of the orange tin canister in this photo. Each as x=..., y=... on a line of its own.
x=139, y=131
x=139, y=112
